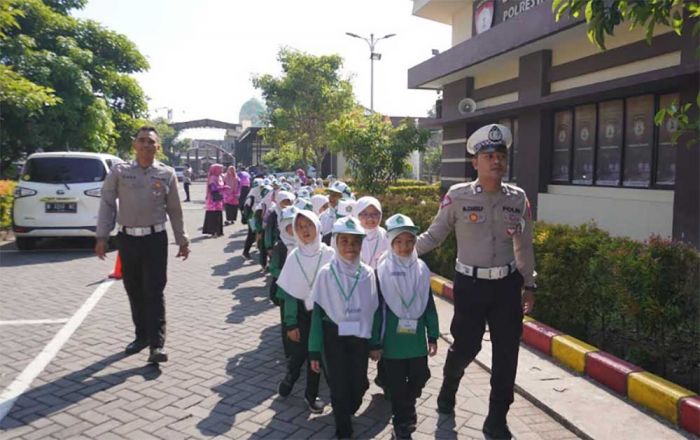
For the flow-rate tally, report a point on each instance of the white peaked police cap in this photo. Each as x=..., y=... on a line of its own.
x=489, y=138
x=348, y=225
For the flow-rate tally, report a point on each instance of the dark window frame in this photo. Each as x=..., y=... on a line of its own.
x=654, y=147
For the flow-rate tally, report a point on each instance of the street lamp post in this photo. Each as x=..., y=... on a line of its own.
x=372, y=56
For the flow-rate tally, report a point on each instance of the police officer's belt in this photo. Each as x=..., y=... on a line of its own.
x=143, y=231
x=485, y=273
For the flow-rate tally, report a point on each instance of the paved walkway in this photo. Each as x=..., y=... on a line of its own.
x=225, y=357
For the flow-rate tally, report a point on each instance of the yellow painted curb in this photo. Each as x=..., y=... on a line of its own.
x=571, y=351
x=527, y=318
x=436, y=285
x=657, y=394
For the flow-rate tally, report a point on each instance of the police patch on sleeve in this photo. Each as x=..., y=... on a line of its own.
x=446, y=201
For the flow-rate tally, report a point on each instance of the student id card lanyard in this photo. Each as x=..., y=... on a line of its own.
x=303, y=272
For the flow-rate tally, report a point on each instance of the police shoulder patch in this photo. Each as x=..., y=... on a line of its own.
x=446, y=201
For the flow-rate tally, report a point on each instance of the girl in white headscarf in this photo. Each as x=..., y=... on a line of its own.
x=369, y=211
x=320, y=203
x=410, y=317
x=346, y=323
x=272, y=230
x=295, y=286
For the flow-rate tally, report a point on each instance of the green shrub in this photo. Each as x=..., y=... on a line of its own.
x=638, y=301
x=425, y=191
x=409, y=182
x=7, y=195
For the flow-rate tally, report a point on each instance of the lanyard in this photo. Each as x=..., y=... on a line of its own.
x=318, y=263
x=371, y=257
x=398, y=290
x=345, y=296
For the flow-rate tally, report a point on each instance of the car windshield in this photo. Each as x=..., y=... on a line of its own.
x=64, y=170
x=179, y=168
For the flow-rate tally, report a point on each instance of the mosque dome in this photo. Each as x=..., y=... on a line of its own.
x=252, y=111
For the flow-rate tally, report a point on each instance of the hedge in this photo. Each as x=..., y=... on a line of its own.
x=7, y=195
x=424, y=191
x=638, y=301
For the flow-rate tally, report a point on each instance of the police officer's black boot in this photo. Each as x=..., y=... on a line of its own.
x=495, y=425
x=452, y=374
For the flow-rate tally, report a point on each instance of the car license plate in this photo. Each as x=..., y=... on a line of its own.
x=62, y=207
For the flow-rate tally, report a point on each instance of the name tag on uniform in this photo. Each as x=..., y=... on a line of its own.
x=349, y=328
x=407, y=326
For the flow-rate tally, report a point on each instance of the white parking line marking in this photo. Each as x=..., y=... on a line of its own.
x=33, y=321
x=31, y=371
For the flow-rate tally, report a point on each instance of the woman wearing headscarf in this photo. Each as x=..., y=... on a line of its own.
x=369, y=211
x=232, y=190
x=320, y=203
x=302, y=176
x=213, y=219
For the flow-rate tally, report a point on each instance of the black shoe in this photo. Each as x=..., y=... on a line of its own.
x=158, y=355
x=401, y=434
x=315, y=405
x=135, y=346
x=246, y=255
x=284, y=388
x=497, y=430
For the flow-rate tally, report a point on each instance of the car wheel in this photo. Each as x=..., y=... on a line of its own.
x=25, y=243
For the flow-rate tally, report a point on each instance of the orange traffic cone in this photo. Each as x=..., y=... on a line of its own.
x=117, y=274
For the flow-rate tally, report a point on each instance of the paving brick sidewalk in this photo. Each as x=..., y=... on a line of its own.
x=226, y=361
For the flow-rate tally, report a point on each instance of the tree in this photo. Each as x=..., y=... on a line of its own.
x=302, y=103
x=286, y=157
x=603, y=16
x=75, y=90
x=376, y=150
x=432, y=159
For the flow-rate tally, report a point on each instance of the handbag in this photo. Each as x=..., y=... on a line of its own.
x=216, y=196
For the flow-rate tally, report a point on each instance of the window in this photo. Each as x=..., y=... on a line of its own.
x=639, y=130
x=615, y=143
x=584, y=142
x=609, y=142
x=512, y=125
x=562, y=146
x=666, y=156
x=64, y=170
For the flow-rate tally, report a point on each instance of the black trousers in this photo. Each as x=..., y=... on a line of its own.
x=299, y=354
x=285, y=339
x=144, y=269
x=405, y=379
x=231, y=212
x=244, y=193
x=345, y=360
x=249, y=240
x=498, y=303
x=187, y=191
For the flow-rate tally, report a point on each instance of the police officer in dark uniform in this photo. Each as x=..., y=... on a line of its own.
x=147, y=192
x=495, y=278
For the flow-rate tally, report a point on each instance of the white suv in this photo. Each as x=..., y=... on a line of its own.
x=58, y=195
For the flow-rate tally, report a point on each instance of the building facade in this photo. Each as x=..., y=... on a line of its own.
x=586, y=147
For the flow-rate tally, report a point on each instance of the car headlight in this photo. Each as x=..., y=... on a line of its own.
x=23, y=192
x=97, y=192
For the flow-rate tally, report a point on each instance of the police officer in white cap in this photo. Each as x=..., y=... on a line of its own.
x=494, y=272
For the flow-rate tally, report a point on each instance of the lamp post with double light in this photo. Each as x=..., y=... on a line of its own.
x=372, y=43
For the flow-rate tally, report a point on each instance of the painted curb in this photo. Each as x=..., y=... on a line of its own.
x=690, y=414
x=571, y=352
x=539, y=336
x=666, y=399
x=656, y=393
x=610, y=370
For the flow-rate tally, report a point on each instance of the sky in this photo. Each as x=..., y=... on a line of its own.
x=203, y=53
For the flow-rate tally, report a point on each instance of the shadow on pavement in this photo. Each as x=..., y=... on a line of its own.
x=250, y=303
x=61, y=393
